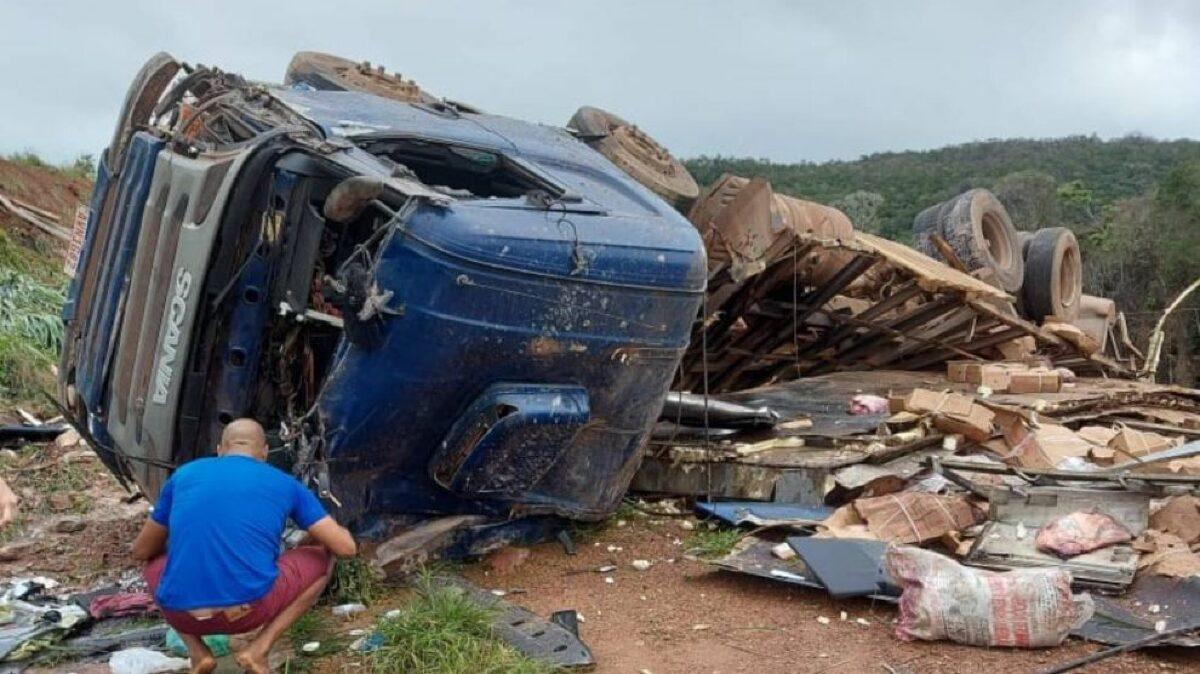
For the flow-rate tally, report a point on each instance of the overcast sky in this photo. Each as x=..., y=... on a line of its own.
x=788, y=81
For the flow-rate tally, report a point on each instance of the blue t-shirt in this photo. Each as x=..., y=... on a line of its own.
x=224, y=518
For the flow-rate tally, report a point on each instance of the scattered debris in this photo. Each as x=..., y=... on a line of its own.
x=845, y=567
x=345, y=611
x=548, y=641
x=145, y=661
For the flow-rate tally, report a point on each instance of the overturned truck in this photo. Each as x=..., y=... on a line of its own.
x=434, y=311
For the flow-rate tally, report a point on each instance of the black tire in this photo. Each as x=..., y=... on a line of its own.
x=981, y=234
x=1053, y=276
x=637, y=154
x=925, y=225
x=1023, y=239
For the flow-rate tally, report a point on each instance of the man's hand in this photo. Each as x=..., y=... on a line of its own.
x=151, y=541
x=334, y=537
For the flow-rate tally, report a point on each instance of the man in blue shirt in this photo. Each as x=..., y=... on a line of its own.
x=213, y=545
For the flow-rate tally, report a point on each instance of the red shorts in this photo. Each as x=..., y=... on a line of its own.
x=298, y=570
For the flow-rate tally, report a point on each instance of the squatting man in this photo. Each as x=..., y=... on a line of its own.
x=212, y=547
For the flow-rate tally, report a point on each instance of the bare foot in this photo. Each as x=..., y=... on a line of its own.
x=253, y=661
x=205, y=665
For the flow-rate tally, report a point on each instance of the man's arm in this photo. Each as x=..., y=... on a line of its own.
x=334, y=537
x=151, y=541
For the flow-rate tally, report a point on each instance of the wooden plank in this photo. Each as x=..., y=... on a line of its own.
x=897, y=299
x=870, y=339
x=33, y=219
x=808, y=305
x=939, y=333
x=925, y=360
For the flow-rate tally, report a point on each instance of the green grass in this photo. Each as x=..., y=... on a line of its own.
x=443, y=631
x=31, y=330
x=28, y=158
x=705, y=542
x=355, y=581
x=83, y=166
x=315, y=625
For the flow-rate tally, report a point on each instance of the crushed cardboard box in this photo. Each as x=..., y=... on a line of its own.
x=1131, y=443
x=975, y=425
x=1179, y=516
x=915, y=517
x=951, y=413
x=1165, y=555
x=1041, y=448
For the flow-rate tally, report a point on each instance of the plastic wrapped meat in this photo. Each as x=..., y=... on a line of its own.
x=1081, y=532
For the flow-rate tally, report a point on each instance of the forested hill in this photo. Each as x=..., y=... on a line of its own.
x=1043, y=182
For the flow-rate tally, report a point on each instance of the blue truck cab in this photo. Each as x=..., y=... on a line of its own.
x=433, y=311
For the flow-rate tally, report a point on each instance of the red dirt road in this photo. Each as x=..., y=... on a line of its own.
x=685, y=617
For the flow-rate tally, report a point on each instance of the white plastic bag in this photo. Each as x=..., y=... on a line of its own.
x=144, y=661
x=942, y=599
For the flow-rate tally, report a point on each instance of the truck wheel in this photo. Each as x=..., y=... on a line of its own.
x=1053, y=275
x=326, y=72
x=637, y=154
x=925, y=225
x=979, y=230
x=1023, y=239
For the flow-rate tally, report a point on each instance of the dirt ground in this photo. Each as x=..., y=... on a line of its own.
x=679, y=616
x=683, y=616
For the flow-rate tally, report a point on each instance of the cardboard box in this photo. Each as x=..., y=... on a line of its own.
x=1042, y=448
x=1133, y=443
x=1098, y=435
x=1017, y=349
x=995, y=377
x=956, y=370
x=1034, y=381
x=924, y=401
x=975, y=426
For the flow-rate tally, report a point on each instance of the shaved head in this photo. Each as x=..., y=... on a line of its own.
x=244, y=437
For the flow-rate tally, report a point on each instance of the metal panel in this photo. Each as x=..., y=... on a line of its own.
x=172, y=258
x=99, y=311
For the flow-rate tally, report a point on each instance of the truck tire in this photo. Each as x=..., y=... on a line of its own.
x=1023, y=239
x=925, y=225
x=1053, y=276
x=980, y=232
x=326, y=72
x=637, y=154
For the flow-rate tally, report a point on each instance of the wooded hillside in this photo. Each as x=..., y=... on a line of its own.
x=1133, y=202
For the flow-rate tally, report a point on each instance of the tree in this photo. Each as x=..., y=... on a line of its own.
x=862, y=207
x=1030, y=197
